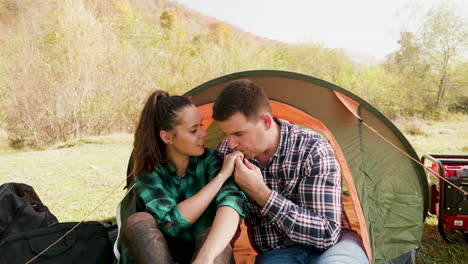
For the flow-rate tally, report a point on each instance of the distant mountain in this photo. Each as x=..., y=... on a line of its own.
x=198, y=22
x=193, y=20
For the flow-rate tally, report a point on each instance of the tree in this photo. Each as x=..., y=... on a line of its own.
x=220, y=33
x=443, y=38
x=427, y=60
x=409, y=75
x=168, y=19
x=408, y=59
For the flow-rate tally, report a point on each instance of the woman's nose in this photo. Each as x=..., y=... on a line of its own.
x=203, y=134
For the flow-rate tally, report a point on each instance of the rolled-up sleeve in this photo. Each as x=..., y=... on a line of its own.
x=230, y=194
x=160, y=204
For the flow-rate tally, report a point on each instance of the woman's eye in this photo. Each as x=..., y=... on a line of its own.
x=193, y=131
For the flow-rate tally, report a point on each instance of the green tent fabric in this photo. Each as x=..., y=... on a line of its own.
x=392, y=190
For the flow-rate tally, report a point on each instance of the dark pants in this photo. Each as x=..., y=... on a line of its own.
x=147, y=243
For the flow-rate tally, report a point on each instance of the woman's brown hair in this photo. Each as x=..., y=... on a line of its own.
x=159, y=113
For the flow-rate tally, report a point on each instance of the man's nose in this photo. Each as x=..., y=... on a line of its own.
x=232, y=143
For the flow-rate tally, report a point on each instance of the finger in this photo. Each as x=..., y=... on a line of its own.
x=248, y=164
x=238, y=154
x=233, y=155
x=239, y=163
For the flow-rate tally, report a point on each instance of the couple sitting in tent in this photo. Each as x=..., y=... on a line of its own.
x=193, y=198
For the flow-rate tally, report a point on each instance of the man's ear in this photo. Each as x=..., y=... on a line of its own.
x=267, y=120
x=166, y=136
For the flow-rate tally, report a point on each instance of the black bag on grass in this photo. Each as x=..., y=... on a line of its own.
x=88, y=243
x=22, y=210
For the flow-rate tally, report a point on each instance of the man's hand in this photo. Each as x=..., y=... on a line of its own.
x=250, y=180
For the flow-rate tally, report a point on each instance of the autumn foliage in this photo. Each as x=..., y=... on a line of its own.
x=72, y=68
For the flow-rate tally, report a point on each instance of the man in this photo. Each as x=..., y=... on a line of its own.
x=292, y=179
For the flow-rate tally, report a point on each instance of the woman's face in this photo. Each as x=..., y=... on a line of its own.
x=188, y=137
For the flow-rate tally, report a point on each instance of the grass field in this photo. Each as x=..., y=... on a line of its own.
x=438, y=137
x=74, y=177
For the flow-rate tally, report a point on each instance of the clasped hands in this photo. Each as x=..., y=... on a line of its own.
x=247, y=176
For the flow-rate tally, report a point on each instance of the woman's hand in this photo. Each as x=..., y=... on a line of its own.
x=228, y=164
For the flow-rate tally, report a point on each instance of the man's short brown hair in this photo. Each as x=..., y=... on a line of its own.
x=242, y=96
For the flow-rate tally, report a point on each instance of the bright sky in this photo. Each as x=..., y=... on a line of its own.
x=370, y=27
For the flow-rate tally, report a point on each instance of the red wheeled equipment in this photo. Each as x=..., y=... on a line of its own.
x=447, y=202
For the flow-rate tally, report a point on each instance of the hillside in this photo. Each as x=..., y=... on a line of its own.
x=193, y=20
x=75, y=68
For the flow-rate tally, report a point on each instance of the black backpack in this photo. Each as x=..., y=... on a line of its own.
x=22, y=210
x=88, y=243
x=27, y=227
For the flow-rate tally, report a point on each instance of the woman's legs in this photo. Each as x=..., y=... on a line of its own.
x=145, y=241
x=225, y=257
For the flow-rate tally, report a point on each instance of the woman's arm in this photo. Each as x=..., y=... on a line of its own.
x=223, y=229
x=193, y=207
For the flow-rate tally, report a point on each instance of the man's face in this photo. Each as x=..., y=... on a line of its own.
x=247, y=136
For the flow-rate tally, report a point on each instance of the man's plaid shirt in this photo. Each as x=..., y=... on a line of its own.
x=305, y=204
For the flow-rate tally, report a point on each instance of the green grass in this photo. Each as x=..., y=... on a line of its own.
x=72, y=178
x=435, y=250
x=438, y=137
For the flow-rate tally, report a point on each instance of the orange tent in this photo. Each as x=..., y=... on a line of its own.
x=380, y=183
x=385, y=194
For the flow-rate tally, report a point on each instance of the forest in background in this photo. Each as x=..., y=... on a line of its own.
x=76, y=68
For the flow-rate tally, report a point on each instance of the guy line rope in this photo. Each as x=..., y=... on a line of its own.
x=369, y=127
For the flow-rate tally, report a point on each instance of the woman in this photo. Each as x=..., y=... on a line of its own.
x=183, y=187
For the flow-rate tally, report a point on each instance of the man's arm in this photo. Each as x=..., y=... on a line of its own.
x=317, y=222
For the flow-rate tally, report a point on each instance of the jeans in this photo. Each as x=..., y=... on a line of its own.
x=347, y=250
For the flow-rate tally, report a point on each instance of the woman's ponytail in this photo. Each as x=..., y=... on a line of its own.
x=159, y=113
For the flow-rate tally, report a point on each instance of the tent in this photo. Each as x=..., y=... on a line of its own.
x=385, y=194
